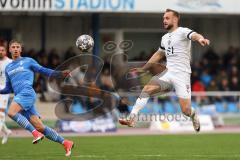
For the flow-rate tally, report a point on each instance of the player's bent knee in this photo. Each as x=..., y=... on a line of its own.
x=40, y=128
x=14, y=109
x=11, y=114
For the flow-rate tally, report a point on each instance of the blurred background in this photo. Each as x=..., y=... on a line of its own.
x=50, y=28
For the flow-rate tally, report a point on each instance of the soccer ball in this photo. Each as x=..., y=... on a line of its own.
x=85, y=43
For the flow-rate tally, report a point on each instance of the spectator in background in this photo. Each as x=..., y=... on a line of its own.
x=238, y=57
x=222, y=75
x=196, y=67
x=52, y=55
x=198, y=86
x=205, y=64
x=40, y=81
x=213, y=58
x=232, y=64
x=69, y=53
x=211, y=55
x=44, y=60
x=224, y=85
x=194, y=76
x=31, y=53
x=220, y=66
x=56, y=61
x=213, y=86
x=234, y=71
x=206, y=77
x=229, y=55
x=234, y=85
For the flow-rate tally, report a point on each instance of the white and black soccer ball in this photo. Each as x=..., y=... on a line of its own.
x=85, y=43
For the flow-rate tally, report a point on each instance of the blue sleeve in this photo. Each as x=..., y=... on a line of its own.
x=46, y=71
x=8, y=87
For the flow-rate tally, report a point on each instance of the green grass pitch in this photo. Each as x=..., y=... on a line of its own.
x=159, y=147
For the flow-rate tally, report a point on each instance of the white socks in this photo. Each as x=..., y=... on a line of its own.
x=140, y=103
x=192, y=112
x=3, y=126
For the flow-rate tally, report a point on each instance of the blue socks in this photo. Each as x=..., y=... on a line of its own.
x=48, y=132
x=53, y=135
x=23, y=122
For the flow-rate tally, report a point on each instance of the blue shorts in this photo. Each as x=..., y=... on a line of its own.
x=27, y=100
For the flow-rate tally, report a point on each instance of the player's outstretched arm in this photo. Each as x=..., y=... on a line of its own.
x=156, y=57
x=52, y=73
x=200, y=39
x=49, y=72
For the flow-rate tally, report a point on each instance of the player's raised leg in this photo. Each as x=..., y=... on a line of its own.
x=51, y=134
x=190, y=112
x=14, y=113
x=153, y=87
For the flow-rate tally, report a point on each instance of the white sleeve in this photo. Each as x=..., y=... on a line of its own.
x=187, y=33
x=161, y=48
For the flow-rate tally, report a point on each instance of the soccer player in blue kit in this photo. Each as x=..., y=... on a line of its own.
x=19, y=80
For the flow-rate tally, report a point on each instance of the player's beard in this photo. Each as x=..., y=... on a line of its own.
x=169, y=27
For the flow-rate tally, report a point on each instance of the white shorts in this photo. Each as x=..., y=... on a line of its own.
x=180, y=81
x=4, y=101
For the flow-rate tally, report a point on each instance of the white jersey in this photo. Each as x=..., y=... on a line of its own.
x=3, y=64
x=177, y=48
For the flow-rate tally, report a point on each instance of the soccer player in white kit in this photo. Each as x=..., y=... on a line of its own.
x=4, y=61
x=176, y=46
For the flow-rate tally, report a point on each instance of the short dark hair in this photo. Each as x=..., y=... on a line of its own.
x=3, y=43
x=4, y=46
x=175, y=13
x=15, y=41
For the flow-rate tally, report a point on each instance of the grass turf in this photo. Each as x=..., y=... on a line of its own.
x=162, y=147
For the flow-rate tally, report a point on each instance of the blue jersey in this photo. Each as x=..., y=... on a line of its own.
x=20, y=75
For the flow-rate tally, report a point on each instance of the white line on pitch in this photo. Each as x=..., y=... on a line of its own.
x=155, y=155
x=217, y=155
x=89, y=156
x=196, y=155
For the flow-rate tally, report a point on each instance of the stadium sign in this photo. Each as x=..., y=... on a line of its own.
x=67, y=5
x=136, y=6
